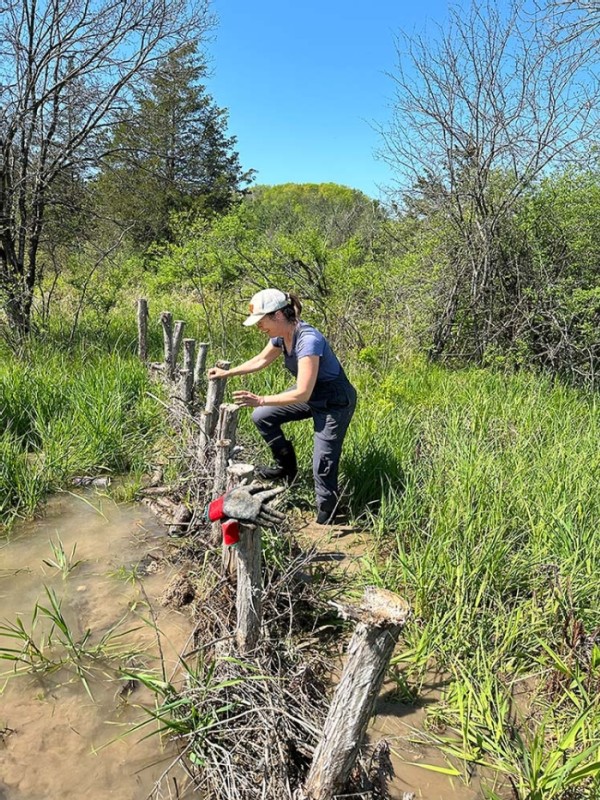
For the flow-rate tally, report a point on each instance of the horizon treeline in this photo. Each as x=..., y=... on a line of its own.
x=486, y=252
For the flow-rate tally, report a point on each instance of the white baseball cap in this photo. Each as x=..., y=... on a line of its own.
x=266, y=302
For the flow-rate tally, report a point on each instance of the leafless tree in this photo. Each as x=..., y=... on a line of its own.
x=482, y=109
x=575, y=20
x=66, y=67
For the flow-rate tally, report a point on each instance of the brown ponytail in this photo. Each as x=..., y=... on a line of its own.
x=295, y=307
x=292, y=310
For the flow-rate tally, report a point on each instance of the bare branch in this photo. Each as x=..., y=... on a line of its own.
x=66, y=69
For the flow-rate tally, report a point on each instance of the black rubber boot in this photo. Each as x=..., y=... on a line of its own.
x=285, y=458
x=325, y=517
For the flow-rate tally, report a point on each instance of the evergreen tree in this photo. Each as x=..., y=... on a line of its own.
x=171, y=153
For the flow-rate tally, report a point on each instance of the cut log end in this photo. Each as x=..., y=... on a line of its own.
x=239, y=472
x=378, y=607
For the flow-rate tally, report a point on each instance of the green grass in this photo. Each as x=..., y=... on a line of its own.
x=488, y=522
x=66, y=414
x=56, y=647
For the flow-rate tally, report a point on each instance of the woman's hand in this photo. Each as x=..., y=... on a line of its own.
x=217, y=372
x=247, y=399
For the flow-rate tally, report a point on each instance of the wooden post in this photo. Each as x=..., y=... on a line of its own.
x=166, y=319
x=223, y=451
x=142, y=324
x=236, y=474
x=209, y=417
x=177, y=337
x=184, y=393
x=381, y=616
x=189, y=352
x=214, y=398
x=200, y=363
x=203, y=437
x=227, y=421
x=249, y=589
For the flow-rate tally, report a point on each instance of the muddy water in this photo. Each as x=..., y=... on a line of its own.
x=55, y=740
x=398, y=724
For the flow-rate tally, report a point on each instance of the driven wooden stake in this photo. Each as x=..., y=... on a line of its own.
x=381, y=616
x=223, y=450
x=236, y=475
x=177, y=338
x=210, y=416
x=249, y=589
x=200, y=363
x=183, y=395
x=142, y=324
x=189, y=353
x=214, y=398
x=203, y=437
x=227, y=422
x=166, y=319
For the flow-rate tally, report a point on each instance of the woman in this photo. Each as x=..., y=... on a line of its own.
x=322, y=391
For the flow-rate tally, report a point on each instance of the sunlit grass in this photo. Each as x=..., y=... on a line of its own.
x=63, y=415
x=492, y=532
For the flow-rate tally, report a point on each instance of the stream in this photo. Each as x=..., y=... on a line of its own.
x=59, y=739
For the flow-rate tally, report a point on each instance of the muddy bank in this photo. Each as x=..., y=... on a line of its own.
x=55, y=738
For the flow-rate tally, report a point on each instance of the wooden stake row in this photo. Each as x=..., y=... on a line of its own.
x=380, y=617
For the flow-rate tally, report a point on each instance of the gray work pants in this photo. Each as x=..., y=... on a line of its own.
x=331, y=418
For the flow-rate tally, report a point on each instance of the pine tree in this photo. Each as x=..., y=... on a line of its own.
x=171, y=153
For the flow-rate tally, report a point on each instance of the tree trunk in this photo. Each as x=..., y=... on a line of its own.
x=18, y=310
x=381, y=616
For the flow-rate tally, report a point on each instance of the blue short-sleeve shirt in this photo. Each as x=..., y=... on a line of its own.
x=308, y=341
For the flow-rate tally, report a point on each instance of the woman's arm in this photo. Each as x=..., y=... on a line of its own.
x=260, y=361
x=308, y=369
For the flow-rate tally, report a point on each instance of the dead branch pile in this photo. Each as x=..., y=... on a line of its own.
x=255, y=723
x=260, y=726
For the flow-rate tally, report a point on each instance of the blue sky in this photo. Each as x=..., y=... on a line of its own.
x=305, y=81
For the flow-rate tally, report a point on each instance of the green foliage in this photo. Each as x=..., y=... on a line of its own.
x=56, y=647
x=62, y=561
x=319, y=240
x=200, y=712
x=485, y=515
x=67, y=415
x=171, y=153
x=336, y=212
x=561, y=222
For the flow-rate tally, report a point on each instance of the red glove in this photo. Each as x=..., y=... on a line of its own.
x=214, y=510
x=231, y=532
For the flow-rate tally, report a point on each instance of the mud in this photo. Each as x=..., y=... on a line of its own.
x=55, y=740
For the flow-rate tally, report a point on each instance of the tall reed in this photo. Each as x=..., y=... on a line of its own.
x=66, y=414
